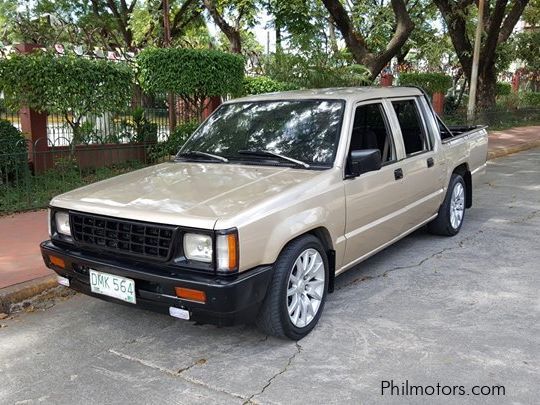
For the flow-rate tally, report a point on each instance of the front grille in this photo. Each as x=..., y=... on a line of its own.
x=119, y=235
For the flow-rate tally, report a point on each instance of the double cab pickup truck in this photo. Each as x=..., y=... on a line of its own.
x=268, y=201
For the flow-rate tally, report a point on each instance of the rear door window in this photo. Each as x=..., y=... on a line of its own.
x=412, y=128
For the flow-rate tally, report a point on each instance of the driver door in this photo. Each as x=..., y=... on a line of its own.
x=373, y=202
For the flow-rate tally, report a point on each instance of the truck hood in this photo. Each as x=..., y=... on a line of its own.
x=183, y=193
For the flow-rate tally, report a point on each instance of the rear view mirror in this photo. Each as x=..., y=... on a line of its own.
x=363, y=161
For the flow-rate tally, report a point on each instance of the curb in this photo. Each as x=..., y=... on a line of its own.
x=9, y=296
x=500, y=152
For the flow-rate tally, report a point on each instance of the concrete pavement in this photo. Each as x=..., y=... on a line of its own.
x=458, y=311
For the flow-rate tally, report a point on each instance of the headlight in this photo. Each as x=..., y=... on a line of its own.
x=198, y=247
x=62, y=223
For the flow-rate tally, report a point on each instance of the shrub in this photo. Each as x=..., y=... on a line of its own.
x=263, y=84
x=13, y=152
x=530, y=99
x=193, y=74
x=430, y=82
x=175, y=141
x=68, y=85
x=145, y=131
x=503, y=89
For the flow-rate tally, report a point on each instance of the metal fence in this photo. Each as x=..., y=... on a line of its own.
x=109, y=127
x=497, y=118
x=10, y=116
x=31, y=175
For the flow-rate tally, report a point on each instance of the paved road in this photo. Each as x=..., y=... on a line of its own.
x=459, y=311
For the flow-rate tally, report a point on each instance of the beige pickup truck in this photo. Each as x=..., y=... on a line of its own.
x=270, y=199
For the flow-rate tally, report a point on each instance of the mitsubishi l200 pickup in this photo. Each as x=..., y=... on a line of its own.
x=270, y=199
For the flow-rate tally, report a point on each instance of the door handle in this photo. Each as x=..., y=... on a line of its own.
x=398, y=174
x=430, y=162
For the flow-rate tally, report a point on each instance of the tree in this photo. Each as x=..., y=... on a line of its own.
x=527, y=51
x=500, y=18
x=122, y=25
x=187, y=25
x=231, y=16
x=357, y=43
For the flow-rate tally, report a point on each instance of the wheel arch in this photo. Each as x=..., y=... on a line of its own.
x=323, y=235
x=463, y=171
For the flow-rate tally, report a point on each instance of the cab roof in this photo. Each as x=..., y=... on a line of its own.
x=352, y=94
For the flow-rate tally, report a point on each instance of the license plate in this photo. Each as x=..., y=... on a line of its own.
x=113, y=286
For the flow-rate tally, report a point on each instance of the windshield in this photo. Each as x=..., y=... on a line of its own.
x=305, y=130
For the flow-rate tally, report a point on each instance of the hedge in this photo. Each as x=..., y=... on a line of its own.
x=264, y=84
x=191, y=72
x=530, y=99
x=430, y=82
x=61, y=84
x=13, y=152
x=68, y=85
x=503, y=89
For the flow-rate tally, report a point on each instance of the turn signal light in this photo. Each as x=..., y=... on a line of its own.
x=191, y=295
x=227, y=252
x=58, y=262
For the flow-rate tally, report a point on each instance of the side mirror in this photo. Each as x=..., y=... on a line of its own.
x=363, y=161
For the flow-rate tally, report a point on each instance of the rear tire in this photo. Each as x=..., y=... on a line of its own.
x=452, y=211
x=297, y=293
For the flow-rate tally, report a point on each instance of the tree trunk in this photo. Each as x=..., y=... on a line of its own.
x=236, y=41
x=498, y=24
x=487, y=88
x=332, y=37
x=277, y=26
x=356, y=44
x=232, y=33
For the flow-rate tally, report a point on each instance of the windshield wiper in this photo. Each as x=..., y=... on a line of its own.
x=198, y=153
x=266, y=153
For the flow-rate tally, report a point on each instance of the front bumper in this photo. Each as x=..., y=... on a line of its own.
x=229, y=299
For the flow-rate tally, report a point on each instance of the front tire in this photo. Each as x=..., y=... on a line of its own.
x=297, y=293
x=452, y=211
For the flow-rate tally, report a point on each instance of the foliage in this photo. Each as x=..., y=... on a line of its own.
x=111, y=25
x=430, y=82
x=194, y=74
x=13, y=153
x=530, y=98
x=461, y=20
x=68, y=85
x=145, y=131
x=503, y=89
x=233, y=17
x=527, y=49
x=175, y=141
x=188, y=27
x=301, y=72
x=36, y=191
x=263, y=84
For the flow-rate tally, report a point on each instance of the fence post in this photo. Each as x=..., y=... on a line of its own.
x=438, y=102
x=33, y=123
x=211, y=104
x=387, y=79
x=515, y=82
